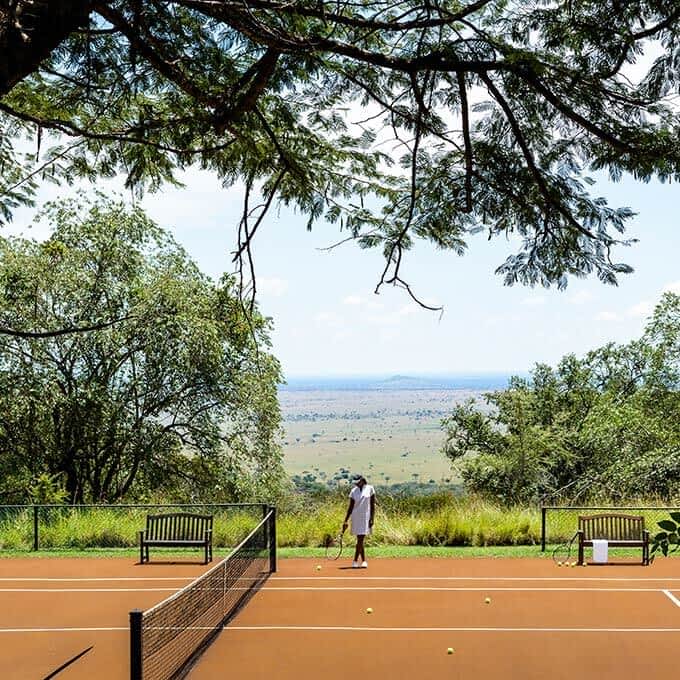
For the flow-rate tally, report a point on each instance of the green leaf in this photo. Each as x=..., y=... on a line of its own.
x=668, y=525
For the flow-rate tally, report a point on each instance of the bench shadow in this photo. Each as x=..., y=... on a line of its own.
x=616, y=564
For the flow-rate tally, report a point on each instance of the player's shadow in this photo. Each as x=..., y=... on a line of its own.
x=352, y=569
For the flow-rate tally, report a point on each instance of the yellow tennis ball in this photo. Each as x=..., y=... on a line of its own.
x=573, y=564
x=559, y=564
x=449, y=650
x=318, y=567
x=369, y=610
x=487, y=600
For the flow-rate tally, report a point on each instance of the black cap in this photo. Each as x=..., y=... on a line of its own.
x=357, y=477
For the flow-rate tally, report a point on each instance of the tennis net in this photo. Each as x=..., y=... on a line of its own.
x=167, y=639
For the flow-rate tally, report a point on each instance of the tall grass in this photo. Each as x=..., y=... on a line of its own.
x=435, y=520
x=112, y=527
x=441, y=519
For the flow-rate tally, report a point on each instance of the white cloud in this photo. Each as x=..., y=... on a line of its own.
x=581, y=297
x=353, y=300
x=640, y=310
x=533, y=301
x=644, y=308
x=272, y=286
x=607, y=316
x=330, y=319
x=407, y=310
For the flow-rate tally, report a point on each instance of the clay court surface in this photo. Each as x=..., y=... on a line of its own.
x=595, y=622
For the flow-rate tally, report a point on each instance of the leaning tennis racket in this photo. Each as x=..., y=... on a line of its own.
x=562, y=553
x=333, y=545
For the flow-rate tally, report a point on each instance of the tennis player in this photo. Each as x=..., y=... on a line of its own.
x=362, y=511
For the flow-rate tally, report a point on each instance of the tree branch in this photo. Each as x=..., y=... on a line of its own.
x=68, y=330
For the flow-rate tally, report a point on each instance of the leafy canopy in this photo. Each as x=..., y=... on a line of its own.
x=398, y=121
x=177, y=398
x=602, y=428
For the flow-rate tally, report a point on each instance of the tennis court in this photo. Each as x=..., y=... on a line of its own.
x=542, y=621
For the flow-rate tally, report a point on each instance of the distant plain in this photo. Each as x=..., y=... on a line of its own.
x=391, y=436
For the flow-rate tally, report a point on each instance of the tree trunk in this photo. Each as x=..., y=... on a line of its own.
x=30, y=30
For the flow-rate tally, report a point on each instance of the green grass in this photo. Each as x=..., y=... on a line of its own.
x=436, y=521
x=420, y=551
x=373, y=551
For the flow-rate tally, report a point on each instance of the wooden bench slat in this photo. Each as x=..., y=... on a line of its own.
x=618, y=529
x=179, y=530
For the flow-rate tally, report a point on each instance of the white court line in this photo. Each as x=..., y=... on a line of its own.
x=459, y=629
x=88, y=590
x=469, y=578
x=344, y=578
x=464, y=589
x=102, y=578
x=671, y=597
x=64, y=630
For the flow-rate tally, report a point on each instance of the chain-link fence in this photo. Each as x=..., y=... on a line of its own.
x=559, y=524
x=79, y=527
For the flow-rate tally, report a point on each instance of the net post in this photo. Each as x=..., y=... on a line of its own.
x=36, y=542
x=543, y=517
x=272, y=539
x=136, y=644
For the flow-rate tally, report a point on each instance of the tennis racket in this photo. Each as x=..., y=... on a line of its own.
x=333, y=545
x=562, y=553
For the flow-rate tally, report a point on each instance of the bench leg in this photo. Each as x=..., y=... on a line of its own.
x=580, y=553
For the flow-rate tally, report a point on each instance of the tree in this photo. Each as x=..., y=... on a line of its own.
x=605, y=427
x=178, y=398
x=399, y=121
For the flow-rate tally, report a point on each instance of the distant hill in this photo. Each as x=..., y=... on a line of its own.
x=408, y=382
x=489, y=381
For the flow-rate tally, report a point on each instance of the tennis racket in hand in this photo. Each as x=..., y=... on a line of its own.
x=333, y=545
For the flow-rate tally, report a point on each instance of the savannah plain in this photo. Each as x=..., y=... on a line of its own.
x=390, y=436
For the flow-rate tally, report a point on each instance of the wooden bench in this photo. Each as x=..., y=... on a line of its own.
x=176, y=530
x=620, y=531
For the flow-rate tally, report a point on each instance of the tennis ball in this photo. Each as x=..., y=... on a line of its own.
x=573, y=564
x=318, y=567
x=449, y=650
x=487, y=600
x=559, y=564
x=369, y=610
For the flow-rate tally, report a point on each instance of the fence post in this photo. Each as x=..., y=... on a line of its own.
x=136, y=644
x=543, y=513
x=272, y=540
x=36, y=542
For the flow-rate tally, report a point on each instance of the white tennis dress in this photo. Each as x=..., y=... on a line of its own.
x=361, y=512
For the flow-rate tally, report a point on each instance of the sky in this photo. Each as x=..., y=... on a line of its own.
x=329, y=322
